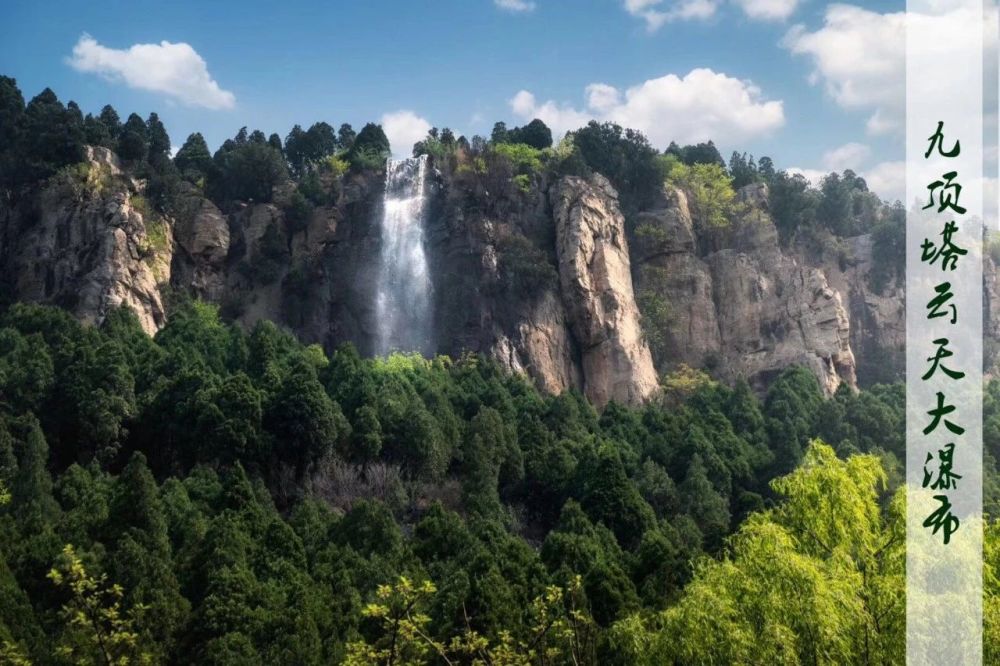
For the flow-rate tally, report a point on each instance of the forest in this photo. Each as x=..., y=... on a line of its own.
x=217, y=495
x=237, y=498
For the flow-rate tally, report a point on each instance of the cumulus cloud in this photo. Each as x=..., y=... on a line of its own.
x=848, y=156
x=657, y=12
x=173, y=70
x=768, y=10
x=515, y=5
x=700, y=106
x=814, y=176
x=860, y=58
x=403, y=129
x=888, y=180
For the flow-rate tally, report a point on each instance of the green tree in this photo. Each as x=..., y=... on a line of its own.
x=701, y=501
x=98, y=629
x=790, y=410
x=111, y=121
x=839, y=560
x=50, y=135
x=11, y=119
x=346, y=136
x=370, y=148
x=133, y=143
x=193, y=159
x=159, y=140
x=247, y=170
x=709, y=189
x=625, y=157
x=608, y=497
x=304, y=423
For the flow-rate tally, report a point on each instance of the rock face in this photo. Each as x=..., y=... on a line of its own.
x=542, y=278
x=83, y=244
x=878, y=317
x=738, y=304
x=595, y=275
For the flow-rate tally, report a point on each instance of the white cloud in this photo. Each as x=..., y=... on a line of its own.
x=888, y=180
x=859, y=57
x=515, y=5
x=560, y=119
x=174, y=70
x=657, y=12
x=700, y=106
x=814, y=176
x=849, y=156
x=768, y=10
x=403, y=129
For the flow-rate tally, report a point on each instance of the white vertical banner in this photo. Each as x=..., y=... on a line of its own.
x=944, y=331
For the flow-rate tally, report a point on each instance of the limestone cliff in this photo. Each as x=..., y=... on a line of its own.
x=543, y=278
x=595, y=275
x=737, y=303
x=89, y=242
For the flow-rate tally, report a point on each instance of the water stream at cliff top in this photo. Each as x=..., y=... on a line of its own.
x=403, y=292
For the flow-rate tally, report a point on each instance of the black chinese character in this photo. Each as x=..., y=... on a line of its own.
x=937, y=141
x=948, y=252
x=942, y=353
x=948, y=198
x=937, y=415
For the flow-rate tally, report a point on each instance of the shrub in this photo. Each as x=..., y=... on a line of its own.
x=524, y=268
x=367, y=159
x=525, y=159
x=655, y=311
x=298, y=210
x=336, y=165
x=709, y=189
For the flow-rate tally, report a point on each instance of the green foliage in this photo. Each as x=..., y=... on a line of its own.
x=793, y=203
x=298, y=211
x=98, y=630
x=525, y=160
x=251, y=495
x=839, y=559
x=625, y=157
x=37, y=139
x=133, y=143
x=744, y=170
x=889, y=249
x=656, y=315
x=701, y=153
x=246, y=170
x=80, y=181
x=370, y=148
x=193, y=159
x=438, y=144
x=709, y=189
x=524, y=268
x=535, y=134
x=307, y=149
x=790, y=409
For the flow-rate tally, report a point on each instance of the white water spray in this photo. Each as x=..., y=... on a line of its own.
x=403, y=294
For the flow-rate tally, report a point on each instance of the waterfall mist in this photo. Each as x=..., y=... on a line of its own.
x=403, y=293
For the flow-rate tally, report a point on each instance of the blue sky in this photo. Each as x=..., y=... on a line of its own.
x=798, y=80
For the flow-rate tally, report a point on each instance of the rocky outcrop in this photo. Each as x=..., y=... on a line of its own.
x=88, y=243
x=737, y=303
x=542, y=347
x=545, y=279
x=595, y=275
x=877, y=316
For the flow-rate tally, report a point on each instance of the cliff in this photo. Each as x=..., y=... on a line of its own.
x=544, y=278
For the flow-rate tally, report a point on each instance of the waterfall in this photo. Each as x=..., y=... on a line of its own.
x=403, y=294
